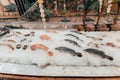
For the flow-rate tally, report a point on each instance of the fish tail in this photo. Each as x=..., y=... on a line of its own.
x=110, y=58
x=56, y=48
x=78, y=54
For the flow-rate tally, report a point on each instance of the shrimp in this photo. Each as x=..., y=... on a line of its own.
x=39, y=46
x=43, y=47
x=8, y=45
x=10, y=35
x=13, y=41
x=50, y=53
x=111, y=45
x=45, y=37
x=51, y=31
x=18, y=32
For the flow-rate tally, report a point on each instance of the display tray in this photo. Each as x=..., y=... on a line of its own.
x=60, y=53
x=54, y=71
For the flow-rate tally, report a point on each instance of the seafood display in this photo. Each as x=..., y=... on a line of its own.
x=47, y=48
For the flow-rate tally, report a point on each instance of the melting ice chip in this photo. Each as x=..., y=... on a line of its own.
x=65, y=26
x=44, y=25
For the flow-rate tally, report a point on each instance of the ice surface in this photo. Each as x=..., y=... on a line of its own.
x=40, y=58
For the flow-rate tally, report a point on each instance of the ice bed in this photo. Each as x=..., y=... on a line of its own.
x=58, y=52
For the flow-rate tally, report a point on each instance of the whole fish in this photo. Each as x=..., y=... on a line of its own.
x=73, y=42
x=4, y=32
x=77, y=32
x=72, y=36
x=99, y=53
x=71, y=51
x=13, y=27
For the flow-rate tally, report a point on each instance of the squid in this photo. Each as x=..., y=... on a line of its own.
x=18, y=32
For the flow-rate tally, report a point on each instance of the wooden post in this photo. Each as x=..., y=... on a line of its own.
x=116, y=17
x=100, y=14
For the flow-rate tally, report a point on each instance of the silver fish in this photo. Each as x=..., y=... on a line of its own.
x=99, y=53
x=71, y=51
x=73, y=42
x=72, y=36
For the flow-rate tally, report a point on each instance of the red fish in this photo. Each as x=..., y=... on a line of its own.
x=39, y=46
x=45, y=37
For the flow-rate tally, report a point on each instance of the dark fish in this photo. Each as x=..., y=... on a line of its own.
x=98, y=52
x=13, y=27
x=73, y=52
x=73, y=42
x=77, y=32
x=72, y=36
x=2, y=33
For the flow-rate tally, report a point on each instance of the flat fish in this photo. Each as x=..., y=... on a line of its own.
x=72, y=36
x=99, y=53
x=71, y=51
x=73, y=42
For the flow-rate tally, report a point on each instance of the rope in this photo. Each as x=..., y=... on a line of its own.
x=31, y=8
